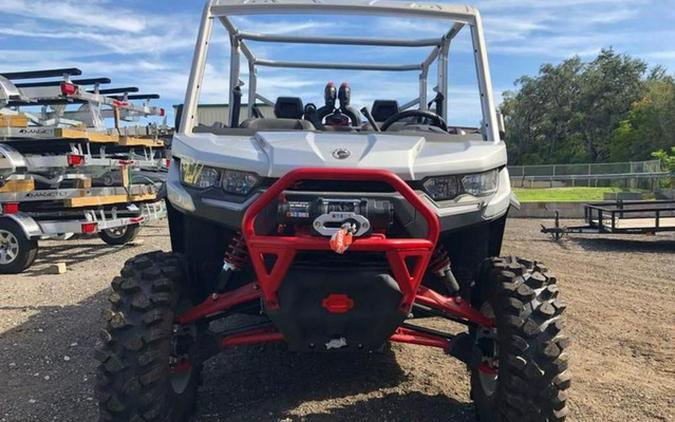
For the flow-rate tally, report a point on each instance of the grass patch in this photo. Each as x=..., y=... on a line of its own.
x=564, y=194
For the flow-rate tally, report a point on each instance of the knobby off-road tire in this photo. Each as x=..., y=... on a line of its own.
x=17, y=251
x=531, y=379
x=120, y=235
x=135, y=380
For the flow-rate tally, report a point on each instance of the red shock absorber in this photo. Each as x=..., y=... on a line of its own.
x=440, y=266
x=440, y=260
x=236, y=254
x=236, y=257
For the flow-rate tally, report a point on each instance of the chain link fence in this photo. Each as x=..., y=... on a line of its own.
x=632, y=174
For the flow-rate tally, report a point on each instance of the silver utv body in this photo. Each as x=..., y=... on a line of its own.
x=271, y=153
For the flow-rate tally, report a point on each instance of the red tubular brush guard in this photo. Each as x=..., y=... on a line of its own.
x=286, y=247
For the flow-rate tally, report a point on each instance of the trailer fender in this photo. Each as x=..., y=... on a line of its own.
x=29, y=226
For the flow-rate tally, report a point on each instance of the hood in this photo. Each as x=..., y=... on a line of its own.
x=412, y=157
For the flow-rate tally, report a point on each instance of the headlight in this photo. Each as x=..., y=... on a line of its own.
x=481, y=183
x=239, y=182
x=447, y=187
x=232, y=181
x=441, y=188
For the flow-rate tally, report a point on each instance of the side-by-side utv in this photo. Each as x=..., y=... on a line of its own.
x=336, y=230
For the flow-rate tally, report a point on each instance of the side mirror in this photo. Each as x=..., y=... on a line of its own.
x=501, y=126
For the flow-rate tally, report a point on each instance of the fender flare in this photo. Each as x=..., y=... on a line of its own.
x=29, y=226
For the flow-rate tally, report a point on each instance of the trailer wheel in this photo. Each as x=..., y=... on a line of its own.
x=147, y=367
x=521, y=374
x=17, y=251
x=120, y=235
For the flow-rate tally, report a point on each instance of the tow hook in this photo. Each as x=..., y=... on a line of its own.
x=342, y=239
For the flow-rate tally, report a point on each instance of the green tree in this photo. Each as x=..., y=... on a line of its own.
x=650, y=123
x=668, y=163
x=605, y=109
x=609, y=85
x=538, y=115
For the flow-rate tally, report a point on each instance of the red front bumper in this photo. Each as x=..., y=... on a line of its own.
x=284, y=248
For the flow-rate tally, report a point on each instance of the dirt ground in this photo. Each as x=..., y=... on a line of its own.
x=621, y=319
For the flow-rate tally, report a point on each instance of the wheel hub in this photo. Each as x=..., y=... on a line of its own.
x=116, y=232
x=9, y=247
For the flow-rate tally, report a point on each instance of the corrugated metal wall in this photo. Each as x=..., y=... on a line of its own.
x=209, y=114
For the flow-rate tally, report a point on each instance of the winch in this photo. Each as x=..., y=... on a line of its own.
x=327, y=215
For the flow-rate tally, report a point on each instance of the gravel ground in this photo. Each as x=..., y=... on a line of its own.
x=620, y=291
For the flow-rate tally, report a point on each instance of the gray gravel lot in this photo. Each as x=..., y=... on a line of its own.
x=620, y=292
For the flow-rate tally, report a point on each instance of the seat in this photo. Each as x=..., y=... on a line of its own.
x=384, y=109
x=288, y=108
x=288, y=112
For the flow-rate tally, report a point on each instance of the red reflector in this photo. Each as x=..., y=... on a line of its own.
x=182, y=367
x=68, y=88
x=162, y=112
x=168, y=163
x=88, y=228
x=337, y=303
x=75, y=160
x=10, y=208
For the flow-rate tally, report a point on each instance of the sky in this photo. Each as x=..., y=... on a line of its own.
x=149, y=44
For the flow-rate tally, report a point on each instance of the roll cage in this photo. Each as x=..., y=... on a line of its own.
x=458, y=16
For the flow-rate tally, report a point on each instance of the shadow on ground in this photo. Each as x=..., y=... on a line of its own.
x=47, y=366
x=255, y=383
x=268, y=383
x=623, y=244
x=86, y=249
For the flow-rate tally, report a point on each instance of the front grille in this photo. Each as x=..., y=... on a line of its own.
x=336, y=186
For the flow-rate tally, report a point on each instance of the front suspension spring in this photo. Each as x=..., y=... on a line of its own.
x=236, y=255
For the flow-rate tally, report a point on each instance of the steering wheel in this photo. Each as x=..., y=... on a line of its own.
x=434, y=119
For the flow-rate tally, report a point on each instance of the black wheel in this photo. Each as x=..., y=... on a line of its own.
x=120, y=235
x=148, y=371
x=17, y=251
x=521, y=373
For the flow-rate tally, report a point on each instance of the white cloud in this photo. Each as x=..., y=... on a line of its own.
x=278, y=26
x=97, y=14
x=122, y=43
x=154, y=51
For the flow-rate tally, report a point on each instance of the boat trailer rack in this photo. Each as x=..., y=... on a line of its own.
x=622, y=217
x=62, y=172
x=59, y=91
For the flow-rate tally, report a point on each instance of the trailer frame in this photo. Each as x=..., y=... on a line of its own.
x=596, y=215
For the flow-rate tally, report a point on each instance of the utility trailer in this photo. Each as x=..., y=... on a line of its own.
x=62, y=172
x=622, y=217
